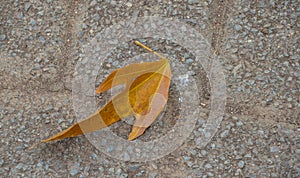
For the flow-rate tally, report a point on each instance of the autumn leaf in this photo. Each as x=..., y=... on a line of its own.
x=145, y=95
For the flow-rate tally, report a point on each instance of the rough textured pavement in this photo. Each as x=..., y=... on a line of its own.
x=41, y=42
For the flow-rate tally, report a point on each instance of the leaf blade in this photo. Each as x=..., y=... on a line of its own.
x=145, y=96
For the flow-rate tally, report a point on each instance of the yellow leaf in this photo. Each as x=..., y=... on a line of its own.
x=145, y=95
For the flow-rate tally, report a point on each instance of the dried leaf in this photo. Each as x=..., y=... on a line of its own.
x=145, y=95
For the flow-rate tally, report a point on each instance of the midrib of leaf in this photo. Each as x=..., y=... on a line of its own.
x=141, y=127
x=162, y=67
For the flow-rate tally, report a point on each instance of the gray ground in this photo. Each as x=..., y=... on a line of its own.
x=41, y=42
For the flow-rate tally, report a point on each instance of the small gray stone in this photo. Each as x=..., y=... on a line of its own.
x=227, y=161
x=239, y=124
x=111, y=170
x=134, y=167
x=101, y=169
x=19, y=166
x=48, y=30
x=74, y=172
x=42, y=39
x=190, y=164
x=27, y=6
x=1, y=162
x=94, y=156
x=251, y=82
x=188, y=61
x=234, y=50
x=225, y=133
x=124, y=175
x=154, y=166
x=198, y=141
x=210, y=174
x=196, y=133
x=41, y=13
x=126, y=156
x=213, y=146
x=129, y=4
x=294, y=57
x=208, y=166
x=186, y=158
x=153, y=175
x=115, y=63
x=118, y=172
x=48, y=108
x=33, y=22
x=274, y=149
x=241, y=164
x=93, y=3
x=3, y=37
x=193, y=1
x=238, y=27
x=193, y=152
x=248, y=155
x=111, y=148
x=203, y=152
x=20, y=15
x=140, y=173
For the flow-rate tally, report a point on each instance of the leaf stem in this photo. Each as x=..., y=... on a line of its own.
x=149, y=49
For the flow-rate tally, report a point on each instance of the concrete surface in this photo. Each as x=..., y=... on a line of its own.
x=41, y=42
